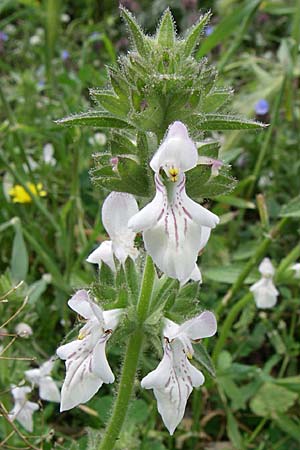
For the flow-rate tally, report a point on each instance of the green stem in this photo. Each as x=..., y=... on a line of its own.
x=130, y=364
x=265, y=146
x=287, y=261
x=257, y=430
x=259, y=254
x=225, y=330
x=13, y=129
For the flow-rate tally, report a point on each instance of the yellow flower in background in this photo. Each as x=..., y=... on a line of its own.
x=19, y=194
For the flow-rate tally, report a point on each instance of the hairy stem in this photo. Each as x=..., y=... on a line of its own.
x=130, y=364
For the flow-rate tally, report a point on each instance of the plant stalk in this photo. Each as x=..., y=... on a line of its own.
x=130, y=364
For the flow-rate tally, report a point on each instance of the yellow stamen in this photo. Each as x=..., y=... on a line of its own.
x=189, y=355
x=173, y=172
x=81, y=336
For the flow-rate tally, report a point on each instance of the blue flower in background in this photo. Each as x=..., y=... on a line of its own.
x=209, y=30
x=262, y=107
x=64, y=54
x=95, y=35
x=3, y=36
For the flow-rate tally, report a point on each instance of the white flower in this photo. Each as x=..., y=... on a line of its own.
x=40, y=377
x=23, y=409
x=98, y=139
x=176, y=154
x=117, y=209
x=86, y=364
x=23, y=330
x=264, y=290
x=296, y=268
x=174, y=378
x=35, y=39
x=48, y=152
x=175, y=228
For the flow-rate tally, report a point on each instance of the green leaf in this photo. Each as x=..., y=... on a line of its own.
x=37, y=289
x=233, y=431
x=209, y=148
x=203, y=358
x=226, y=27
x=201, y=185
x=110, y=102
x=288, y=426
x=292, y=383
x=131, y=177
x=120, y=144
x=138, y=38
x=215, y=100
x=166, y=34
x=272, y=399
x=235, y=201
x=118, y=83
x=194, y=33
x=221, y=122
x=97, y=119
x=292, y=209
x=19, y=257
x=227, y=274
x=138, y=412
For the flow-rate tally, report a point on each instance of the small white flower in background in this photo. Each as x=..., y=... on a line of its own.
x=264, y=291
x=296, y=268
x=175, y=228
x=86, y=364
x=117, y=209
x=98, y=139
x=23, y=409
x=174, y=378
x=65, y=18
x=48, y=152
x=23, y=330
x=35, y=39
x=40, y=377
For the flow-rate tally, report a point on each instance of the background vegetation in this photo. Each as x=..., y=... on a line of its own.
x=51, y=53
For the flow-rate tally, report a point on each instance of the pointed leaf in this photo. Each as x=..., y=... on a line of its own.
x=215, y=100
x=292, y=209
x=288, y=426
x=166, y=32
x=110, y=102
x=220, y=122
x=121, y=145
x=203, y=358
x=118, y=83
x=136, y=34
x=194, y=34
x=97, y=119
x=19, y=257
